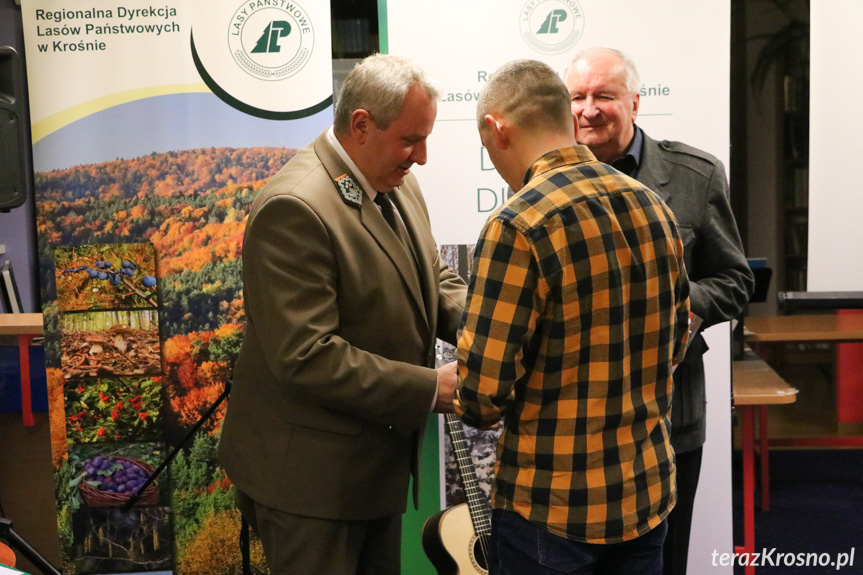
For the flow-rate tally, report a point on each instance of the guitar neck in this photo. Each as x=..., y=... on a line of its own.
x=476, y=500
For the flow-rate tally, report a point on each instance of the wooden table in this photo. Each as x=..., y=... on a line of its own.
x=808, y=328
x=756, y=385
x=844, y=329
x=26, y=326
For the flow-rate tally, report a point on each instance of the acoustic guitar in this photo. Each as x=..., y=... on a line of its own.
x=456, y=539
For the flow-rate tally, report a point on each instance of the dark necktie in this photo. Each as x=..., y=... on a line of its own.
x=388, y=211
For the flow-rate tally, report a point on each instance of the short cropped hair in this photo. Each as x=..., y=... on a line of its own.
x=630, y=73
x=530, y=94
x=379, y=85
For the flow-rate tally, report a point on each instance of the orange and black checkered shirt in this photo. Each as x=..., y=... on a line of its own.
x=578, y=307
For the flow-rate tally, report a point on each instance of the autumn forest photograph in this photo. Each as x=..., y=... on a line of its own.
x=143, y=304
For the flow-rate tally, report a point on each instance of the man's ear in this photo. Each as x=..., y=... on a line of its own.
x=636, y=100
x=361, y=122
x=499, y=130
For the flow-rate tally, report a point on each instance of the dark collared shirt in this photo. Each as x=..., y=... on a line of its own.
x=577, y=309
x=629, y=162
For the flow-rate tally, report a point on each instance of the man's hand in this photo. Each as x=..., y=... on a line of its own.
x=446, y=380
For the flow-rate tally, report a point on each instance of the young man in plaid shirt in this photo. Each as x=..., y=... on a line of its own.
x=577, y=310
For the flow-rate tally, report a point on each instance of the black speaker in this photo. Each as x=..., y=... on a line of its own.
x=15, y=181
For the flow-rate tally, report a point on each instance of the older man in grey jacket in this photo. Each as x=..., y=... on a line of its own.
x=603, y=85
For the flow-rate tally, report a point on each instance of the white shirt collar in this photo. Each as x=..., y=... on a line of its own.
x=340, y=150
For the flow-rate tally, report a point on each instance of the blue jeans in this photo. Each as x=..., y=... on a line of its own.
x=519, y=547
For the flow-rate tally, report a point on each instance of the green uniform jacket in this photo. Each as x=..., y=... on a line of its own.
x=334, y=382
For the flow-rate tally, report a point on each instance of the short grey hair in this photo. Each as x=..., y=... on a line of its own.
x=379, y=85
x=529, y=93
x=630, y=73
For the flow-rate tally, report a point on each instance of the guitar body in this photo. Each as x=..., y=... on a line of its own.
x=452, y=544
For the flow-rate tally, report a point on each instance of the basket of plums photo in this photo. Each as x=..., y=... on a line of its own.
x=110, y=480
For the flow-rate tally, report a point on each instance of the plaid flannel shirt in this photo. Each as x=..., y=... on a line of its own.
x=578, y=307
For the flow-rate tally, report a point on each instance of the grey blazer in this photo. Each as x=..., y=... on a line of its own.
x=335, y=381
x=694, y=185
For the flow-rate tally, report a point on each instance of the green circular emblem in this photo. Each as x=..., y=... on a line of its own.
x=271, y=39
x=551, y=26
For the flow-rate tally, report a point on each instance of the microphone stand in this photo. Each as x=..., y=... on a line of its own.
x=170, y=457
x=244, y=528
x=18, y=543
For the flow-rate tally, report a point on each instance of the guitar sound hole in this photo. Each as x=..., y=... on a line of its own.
x=479, y=551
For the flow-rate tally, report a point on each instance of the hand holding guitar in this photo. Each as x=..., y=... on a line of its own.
x=446, y=380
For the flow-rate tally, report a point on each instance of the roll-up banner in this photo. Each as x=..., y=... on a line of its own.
x=153, y=127
x=681, y=50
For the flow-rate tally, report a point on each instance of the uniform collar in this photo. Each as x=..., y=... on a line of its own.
x=343, y=155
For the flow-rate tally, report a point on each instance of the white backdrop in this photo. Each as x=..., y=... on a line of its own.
x=835, y=201
x=682, y=53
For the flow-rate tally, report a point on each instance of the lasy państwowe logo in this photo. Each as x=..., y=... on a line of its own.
x=268, y=58
x=551, y=26
x=271, y=42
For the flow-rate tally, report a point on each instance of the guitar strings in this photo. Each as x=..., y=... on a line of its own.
x=477, y=504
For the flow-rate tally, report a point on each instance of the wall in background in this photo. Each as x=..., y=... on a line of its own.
x=835, y=199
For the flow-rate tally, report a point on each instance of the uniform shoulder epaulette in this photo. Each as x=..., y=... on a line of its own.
x=681, y=148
